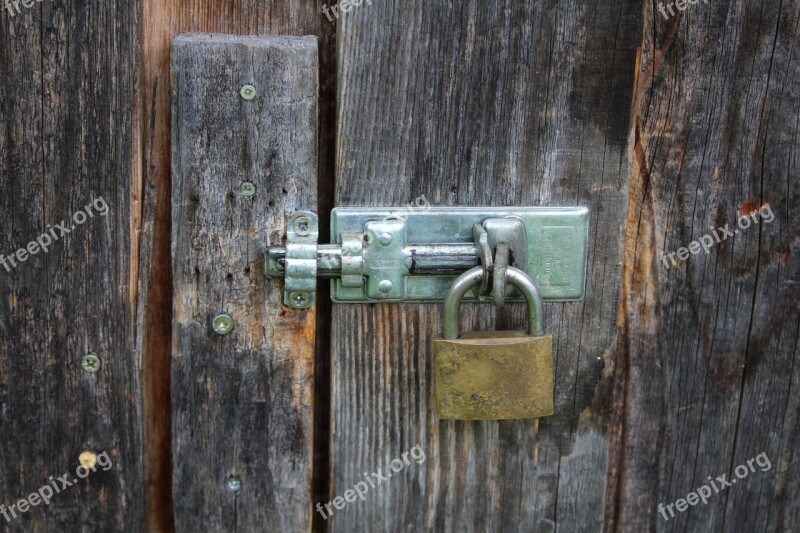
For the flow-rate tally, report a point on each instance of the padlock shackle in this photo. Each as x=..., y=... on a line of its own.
x=473, y=277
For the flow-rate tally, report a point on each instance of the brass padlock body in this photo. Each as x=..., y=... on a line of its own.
x=493, y=375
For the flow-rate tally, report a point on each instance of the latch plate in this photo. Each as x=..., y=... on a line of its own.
x=557, y=249
x=301, y=260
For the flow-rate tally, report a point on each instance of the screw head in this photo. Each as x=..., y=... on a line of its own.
x=87, y=459
x=233, y=483
x=385, y=239
x=90, y=363
x=299, y=298
x=385, y=286
x=302, y=226
x=222, y=324
x=247, y=189
x=248, y=92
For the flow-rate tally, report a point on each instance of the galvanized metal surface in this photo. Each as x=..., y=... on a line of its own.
x=300, y=285
x=556, y=248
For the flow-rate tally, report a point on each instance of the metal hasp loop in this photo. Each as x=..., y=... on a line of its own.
x=474, y=277
x=499, y=278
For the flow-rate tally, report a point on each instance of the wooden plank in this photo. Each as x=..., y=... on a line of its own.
x=242, y=403
x=162, y=20
x=66, y=87
x=708, y=375
x=481, y=103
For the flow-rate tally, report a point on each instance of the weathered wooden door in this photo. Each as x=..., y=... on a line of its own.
x=144, y=170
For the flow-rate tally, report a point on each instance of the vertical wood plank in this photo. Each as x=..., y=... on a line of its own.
x=481, y=103
x=708, y=375
x=162, y=20
x=66, y=86
x=242, y=403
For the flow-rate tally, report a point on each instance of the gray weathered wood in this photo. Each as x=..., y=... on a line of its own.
x=482, y=103
x=66, y=86
x=708, y=375
x=162, y=20
x=242, y=403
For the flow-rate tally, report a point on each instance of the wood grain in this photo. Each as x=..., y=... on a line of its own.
x=242, y=403
x=162, y=20
x=708, y=374
x=66, y=86
x=482, y=103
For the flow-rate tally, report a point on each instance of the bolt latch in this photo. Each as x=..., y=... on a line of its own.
x=414, y=254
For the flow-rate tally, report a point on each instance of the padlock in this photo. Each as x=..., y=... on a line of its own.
x=493, y=375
